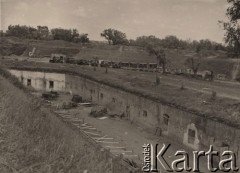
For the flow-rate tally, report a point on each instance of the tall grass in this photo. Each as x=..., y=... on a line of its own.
x=35, y=140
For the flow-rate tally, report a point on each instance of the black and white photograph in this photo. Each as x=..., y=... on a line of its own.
x=119, y=86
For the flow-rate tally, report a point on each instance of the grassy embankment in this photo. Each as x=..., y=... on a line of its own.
x=32, y=139
x=21, y=47
x=216, y=61
x=176, y=59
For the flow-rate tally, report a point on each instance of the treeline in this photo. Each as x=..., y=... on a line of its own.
x=172, y=42
x=44, y=33
x=113, y=36
x=116, y=37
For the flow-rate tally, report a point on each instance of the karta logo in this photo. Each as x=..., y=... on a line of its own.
x=154, y=160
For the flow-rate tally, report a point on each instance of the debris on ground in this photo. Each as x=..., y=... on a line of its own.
x=98, y=111
x=77, y=99
x=113, y=115
x=69, y=105
x=85, y=104
x=103, y=118
x=121, y=116
x=50, y=95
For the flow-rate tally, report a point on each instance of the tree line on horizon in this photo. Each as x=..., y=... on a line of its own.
x=116, y=37
x=44, y=33
x=113, y=36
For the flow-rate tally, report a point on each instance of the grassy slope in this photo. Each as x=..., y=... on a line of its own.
x=11, y=45
x=32, y=139
x=212, y=60
x=183, y=99
x=16, y=46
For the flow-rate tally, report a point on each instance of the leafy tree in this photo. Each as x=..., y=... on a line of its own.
x=74, y=34
x=21, y=31
x=114, y=37
x=108, y=35
x=144, y=41
x=43, y=32
x=83, y=38
x=69, y=35
x=61, y=34
x=232, y=27
x=171, y=42
x=160, y=55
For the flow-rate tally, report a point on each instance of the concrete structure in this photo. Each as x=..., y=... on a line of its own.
x=195, y=131
x=41, y=80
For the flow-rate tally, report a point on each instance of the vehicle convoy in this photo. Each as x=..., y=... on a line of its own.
x=58, y=58
x=149, y=67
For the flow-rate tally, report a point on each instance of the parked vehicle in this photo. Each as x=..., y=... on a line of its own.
x=58, y=58
x=50, y=95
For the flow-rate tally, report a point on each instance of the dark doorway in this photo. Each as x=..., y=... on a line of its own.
x=145, y=114
x=51, y=84
x=29, y=82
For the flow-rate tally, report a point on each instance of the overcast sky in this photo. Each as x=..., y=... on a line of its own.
x=194, y=19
